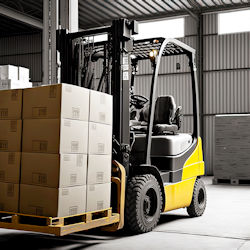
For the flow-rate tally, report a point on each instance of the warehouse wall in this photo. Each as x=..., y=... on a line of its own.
x=23, y=50
x=226, y=78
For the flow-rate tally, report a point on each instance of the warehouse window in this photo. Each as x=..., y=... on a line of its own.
x=171, y=28
x=233, y=22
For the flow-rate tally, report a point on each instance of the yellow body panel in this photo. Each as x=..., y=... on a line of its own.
x=194, y=166
x=178, y=195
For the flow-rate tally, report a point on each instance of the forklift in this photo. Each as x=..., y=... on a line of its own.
x=162, y=166
x=155, y=167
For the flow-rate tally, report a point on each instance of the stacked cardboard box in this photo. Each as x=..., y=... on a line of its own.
x=55, y=147
x=99, y=151
x=13, y=77
x=10, y=147
x=232, y=147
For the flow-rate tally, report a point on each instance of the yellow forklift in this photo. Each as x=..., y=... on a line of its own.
x=155, y=167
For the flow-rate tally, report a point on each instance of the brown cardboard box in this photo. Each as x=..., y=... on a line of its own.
x=100, y=139
x=9, y=196
x=99, y=169
x=56, y=101
x=55, y=136
x=10, y=163
x=101, y=107
x=10, y=135
x=54, y=170
x=54, y=202
x=11, y=104
x=98, y=196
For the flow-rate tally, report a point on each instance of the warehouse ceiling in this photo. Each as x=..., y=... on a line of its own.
x=101, y=12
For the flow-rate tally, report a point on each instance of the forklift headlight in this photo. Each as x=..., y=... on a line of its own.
x=153, y=53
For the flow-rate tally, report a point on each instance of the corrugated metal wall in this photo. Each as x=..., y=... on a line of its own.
x=226, y=78
x=23, y=50
x=226, y=86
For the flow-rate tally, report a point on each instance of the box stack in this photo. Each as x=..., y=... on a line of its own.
x=13, y=77
x=232, y=147
x=99, y=151
x=55, y=147
x=10, y=147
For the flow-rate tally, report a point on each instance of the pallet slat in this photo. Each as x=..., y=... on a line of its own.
x=58, y=226
x=233, y=181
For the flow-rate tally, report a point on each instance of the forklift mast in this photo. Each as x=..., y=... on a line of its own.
x=121, y=44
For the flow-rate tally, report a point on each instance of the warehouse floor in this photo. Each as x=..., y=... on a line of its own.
x=225, y=225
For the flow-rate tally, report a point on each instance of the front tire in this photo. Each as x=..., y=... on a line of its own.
x=199, y=200
x=143, y=203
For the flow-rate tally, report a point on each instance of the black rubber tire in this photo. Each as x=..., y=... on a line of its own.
x=199, y=200
x=143, y=203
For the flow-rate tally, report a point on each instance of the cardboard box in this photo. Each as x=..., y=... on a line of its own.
x=23, y=74
x=52, y=202
x=11, y=104
x=54, y=170
x=8, y=72
x=55, y=136
x=10, y=163
x=9, y=197
x=14, y=84
x=56, y=101
x=10, y=135
x=101, y=107
x=100, y=139
x=98, y=196
x=99, y=169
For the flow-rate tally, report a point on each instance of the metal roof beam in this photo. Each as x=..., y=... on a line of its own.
x=20, y=17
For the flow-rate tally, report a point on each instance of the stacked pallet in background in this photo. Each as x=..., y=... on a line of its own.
x=99, y=151
x=55, y=147
x=13, y=77
x=232, y=149
x=10, y=147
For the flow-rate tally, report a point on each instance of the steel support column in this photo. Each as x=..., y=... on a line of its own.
x=69, y=15
x=200, y=70
x=50, y=25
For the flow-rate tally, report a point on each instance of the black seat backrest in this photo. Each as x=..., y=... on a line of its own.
x=165, y=108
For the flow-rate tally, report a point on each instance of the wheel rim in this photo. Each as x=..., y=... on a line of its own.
x=201, y=198
x=150, y=204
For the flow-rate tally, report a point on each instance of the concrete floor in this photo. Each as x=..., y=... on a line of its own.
x=225, y=225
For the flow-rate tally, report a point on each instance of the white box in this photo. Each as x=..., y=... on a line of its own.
x=101, y=107
x=56, y=101
x=14, y=84
x=55, y=136
x=8, y=72
x=52, y=202
x=99, y=169
x=54, y=170
x=100, y=139
x=98, y=197
x=23, y=74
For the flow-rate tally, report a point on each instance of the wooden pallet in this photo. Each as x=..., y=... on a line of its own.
x=232, y=181
x=58, y=226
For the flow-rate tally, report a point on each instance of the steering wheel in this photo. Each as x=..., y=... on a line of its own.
x=138, y=101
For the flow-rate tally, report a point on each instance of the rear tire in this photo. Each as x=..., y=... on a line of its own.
x=143, y=203
x=199, y=200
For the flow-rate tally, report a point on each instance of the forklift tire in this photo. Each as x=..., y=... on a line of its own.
x=199, y=200
x=143, y=203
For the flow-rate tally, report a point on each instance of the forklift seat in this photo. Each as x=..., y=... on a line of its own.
x=165, y=115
